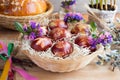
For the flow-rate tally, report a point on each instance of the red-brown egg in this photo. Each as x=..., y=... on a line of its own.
x=80, y=28
x=59, y=33
x=41, y=44
x=82, y=41
x=57, y=23
x=62, y=49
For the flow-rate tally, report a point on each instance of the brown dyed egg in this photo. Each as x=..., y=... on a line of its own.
x=62, y=49
x=93, y=49
x=41, y=44
x=80, y=28
x=57, y=23
x=82, y=41
x=59, y=33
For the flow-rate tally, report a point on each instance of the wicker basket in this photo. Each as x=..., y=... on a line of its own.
x=57, y=64
x=8, y=21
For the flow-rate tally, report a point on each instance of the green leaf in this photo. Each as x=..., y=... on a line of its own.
x=29, y=30
x=3, y=58
x=94, y=35
x=10, y=48
x=97, y=1
x=93, y=26
x=91, y=3
x=18, y=27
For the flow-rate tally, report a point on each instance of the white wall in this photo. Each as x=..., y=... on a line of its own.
x=80, y=5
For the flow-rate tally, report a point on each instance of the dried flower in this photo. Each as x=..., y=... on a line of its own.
x=31, y=31
x=67, y=5
x=103, y=38
x=73, y=17
x=112, y=58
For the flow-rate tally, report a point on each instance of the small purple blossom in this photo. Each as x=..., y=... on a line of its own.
x=71, y=2
x=67, y=3
x=72, y=17
x=33, y=24
x=25, y=27
x=32, y=36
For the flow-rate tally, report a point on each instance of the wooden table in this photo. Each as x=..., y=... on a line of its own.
x=91, y=72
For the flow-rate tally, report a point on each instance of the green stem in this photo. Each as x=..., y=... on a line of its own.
x=91, y=3
x=101, y=4
x=97, y=4
x=111, y=3
x=105, y=1
x=114, y=4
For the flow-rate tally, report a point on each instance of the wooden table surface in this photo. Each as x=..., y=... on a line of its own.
x=91, y=72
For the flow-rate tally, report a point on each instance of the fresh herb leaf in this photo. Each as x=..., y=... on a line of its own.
x=3, y=58
x=10, y=48
x=93, y=26
x=94, y=35
x=18, y=27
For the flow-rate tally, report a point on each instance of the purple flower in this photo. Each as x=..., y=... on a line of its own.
x=32, y=36
x=40, y=32
x=67, y=3
x=71, y=2
x=92, y=41
x=38, y=26
x=33, y=24
x=25, y=27
x=72, y=17
x=104, y=39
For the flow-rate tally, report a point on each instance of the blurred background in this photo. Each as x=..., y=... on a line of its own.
x=80, y=5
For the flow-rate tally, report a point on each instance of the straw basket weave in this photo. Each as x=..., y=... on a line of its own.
x=48, y=61
x=8, y=21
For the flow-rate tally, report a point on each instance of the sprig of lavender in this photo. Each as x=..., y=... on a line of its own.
x=117, y=32
x=31, y=31
x=113, y=58
x=72, y=17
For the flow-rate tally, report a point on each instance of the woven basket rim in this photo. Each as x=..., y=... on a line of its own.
x=50, y=9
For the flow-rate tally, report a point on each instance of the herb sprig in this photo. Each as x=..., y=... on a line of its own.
x=113, y=59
